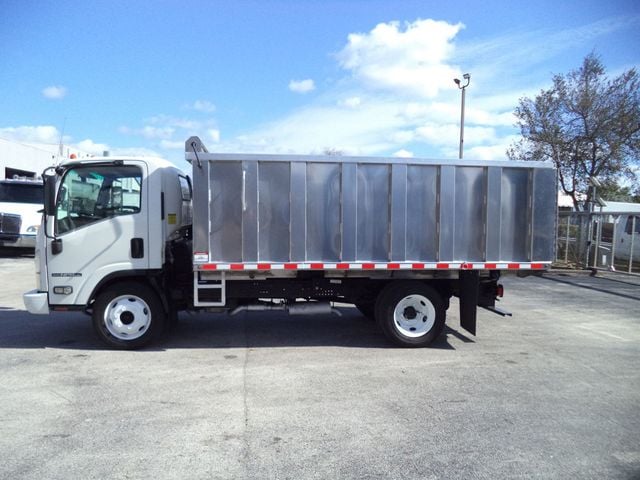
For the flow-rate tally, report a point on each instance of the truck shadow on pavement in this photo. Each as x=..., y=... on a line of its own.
x=12, y=252
x=73, y=330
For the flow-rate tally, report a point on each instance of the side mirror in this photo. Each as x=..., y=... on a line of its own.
x=49, y=204
x=49, y=195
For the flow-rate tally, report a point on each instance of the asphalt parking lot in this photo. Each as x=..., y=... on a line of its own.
x=553, y=392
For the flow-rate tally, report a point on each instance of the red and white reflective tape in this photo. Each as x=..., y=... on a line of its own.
x=373, y=266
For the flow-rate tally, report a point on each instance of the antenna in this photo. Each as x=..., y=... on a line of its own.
x=60, y=145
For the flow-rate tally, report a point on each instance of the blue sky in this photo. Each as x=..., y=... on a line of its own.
x=363, y=77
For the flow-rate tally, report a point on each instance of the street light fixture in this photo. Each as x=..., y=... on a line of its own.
x=462, y=87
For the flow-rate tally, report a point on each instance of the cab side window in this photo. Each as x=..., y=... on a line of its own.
x=92, y=193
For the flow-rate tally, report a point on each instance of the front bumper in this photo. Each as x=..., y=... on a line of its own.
x=18, y=241
x=37, y=302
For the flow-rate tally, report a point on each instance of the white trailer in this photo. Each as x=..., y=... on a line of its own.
x=132, y=241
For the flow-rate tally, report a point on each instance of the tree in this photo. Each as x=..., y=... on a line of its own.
x=586, y=124
x=619, y=193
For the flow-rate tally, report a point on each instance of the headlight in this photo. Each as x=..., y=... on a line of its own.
x=33, y=229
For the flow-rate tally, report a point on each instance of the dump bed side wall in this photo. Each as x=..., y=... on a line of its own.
x=250, y=209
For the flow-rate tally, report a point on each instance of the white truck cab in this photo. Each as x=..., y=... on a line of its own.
x=106, y=221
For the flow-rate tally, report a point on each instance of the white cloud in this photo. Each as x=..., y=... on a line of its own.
x=149, y=132
x=36, y=134
x=402, y=153
x=447, y=134
x=496, y=150
x=214, y=134
x=302, y=86
x=89, y=146
x=54, y=92
x=351, y=102
x=412, y=58
x=362, y=131
x=134, y=152
x=204, y=106
x=172, y=144
x=169, y=121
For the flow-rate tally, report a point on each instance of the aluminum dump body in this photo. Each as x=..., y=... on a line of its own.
x=253, y=210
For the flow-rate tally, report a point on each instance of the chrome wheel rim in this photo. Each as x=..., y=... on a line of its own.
x=127, y=317
x=414, y=316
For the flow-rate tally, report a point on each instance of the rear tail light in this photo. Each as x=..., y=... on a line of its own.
x=499, y=291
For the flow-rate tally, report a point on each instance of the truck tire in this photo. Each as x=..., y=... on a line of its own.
x=128, y=315
x=411, y=314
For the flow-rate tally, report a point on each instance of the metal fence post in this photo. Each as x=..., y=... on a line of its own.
x=616, y=219
x=596, y=253
x=633, y=234
x=566, y=240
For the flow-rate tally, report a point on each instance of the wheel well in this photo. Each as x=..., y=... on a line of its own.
x=146, y=278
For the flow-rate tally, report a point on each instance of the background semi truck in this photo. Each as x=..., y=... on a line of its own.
x=20, y=216
x=133, y=241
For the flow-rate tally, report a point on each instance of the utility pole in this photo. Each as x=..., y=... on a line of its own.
x=466, y=77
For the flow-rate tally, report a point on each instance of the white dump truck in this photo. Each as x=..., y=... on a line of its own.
x=133, y=241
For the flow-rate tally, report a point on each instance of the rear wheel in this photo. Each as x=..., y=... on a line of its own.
x=128, y=315
x=411, y=314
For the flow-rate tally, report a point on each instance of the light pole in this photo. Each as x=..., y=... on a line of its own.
x=466, y=77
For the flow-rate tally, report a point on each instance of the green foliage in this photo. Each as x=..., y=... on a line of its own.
x=587, y=124
x=619, y=193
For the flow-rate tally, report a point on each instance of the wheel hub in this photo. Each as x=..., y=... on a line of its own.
x=414, y=316
x=127, y=317
x=410, y=313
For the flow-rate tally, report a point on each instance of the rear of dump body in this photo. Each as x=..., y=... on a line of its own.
x=281, y=212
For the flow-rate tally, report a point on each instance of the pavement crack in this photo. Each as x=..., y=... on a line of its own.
x=61, y=396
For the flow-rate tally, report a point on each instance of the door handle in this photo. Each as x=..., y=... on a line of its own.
x=137, y=248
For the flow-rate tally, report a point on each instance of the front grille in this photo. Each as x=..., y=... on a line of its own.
x=10, y=224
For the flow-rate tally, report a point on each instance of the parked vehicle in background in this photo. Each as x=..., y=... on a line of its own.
x=628, y=237
x=132, y=241
x=21, y=202
x=608, y=240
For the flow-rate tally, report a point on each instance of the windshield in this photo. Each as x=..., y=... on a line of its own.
x=21, y=193
x=89, y=194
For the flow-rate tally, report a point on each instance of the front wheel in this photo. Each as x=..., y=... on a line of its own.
x=411, y=314
x=128, y=315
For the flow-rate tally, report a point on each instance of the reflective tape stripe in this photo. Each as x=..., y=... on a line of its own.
x=375, y=266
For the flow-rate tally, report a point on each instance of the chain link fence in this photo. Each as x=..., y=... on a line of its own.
x=600, y=240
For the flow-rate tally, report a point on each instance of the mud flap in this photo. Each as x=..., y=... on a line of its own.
x=469, y=288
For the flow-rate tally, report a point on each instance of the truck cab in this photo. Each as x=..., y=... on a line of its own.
x=107, y=222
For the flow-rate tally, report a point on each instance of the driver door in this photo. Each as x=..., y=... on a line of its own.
x=100, y=228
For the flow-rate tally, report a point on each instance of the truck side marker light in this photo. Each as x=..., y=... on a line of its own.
x=64, y=290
